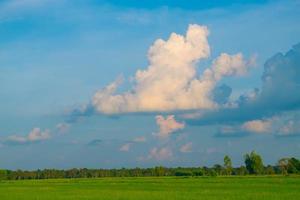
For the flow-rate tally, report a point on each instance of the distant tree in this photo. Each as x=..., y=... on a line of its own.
x=3, y=174
x=254, y=163
x=198, y=172
x=293, y=166
x=183, y=173
x=241, y=171
x=289, y=165
x=212, y=172
x=218, y=168
x=227, y=165
x=159, y=171
x=269, y=170
x=283, y=165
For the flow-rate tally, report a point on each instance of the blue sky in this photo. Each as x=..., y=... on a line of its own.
x=56, y=55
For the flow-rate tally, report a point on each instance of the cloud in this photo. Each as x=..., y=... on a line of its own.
x=243, y=129
x=95, y=142
x=287, y=124
x=78, y=113
x=281, y=84
x=34, y=136
x=170, y=82
x=283, y=124
x=63, y=127
x=231, y=131
x=164, y=153
x=125, y=147
x=37, y=134
x=139, y=139
x=167, y=125
x=221, y=94
x=291, y=128
x=186, y=148
x=258, y=126
x=16, y=139
x=279, y=94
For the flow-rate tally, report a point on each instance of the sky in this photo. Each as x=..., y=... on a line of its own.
x=110, y=84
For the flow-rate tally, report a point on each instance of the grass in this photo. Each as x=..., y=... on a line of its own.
x=152, y=188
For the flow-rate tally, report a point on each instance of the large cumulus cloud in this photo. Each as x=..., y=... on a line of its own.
x=280, y=93
x=273, y=109
x=281, y=83
x=170, y=82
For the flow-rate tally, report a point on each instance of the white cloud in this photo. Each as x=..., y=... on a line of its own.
x=170, y=82
x=186, y=148
x=35, y=135
x=139, y=139
x=258, y=126
x=292, y=127
x=228, y=129
x=285, y=124
x=125, y=147
x=191, y=115
x=63, y=127
x=167, y=125
x=17, y=139
x=164, y=153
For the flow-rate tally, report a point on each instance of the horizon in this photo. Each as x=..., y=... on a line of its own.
x=111, y=84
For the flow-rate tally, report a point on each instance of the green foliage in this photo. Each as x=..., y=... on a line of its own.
x=218, y=169
x=3, y=174
x=159, y=171
x=293, y=166
x=269, y=170
x=183, y=173
x=283, y=165
x=254, y=163
x=240, y=171
x=289, y=165
x=227, y=165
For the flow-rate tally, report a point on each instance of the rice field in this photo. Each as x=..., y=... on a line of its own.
x=153, y=188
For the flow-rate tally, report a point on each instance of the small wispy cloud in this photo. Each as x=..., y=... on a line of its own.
x=186, y=148
x=258, y=126
x=35, y=135
x=167, y=126
x=139, y=139
x=95, y=142
x=164, y=153
x=63, y=127
x=125, y=147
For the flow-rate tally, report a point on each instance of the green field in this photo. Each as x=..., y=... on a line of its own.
x=152, y=188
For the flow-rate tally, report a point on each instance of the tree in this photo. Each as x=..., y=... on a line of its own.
x=293, y=165
x=159, y=171
x=241, y=171
x=269, y=170
x=254, y=163
x=218, y=168
x=227, y=165
x=3, y=174
x=283, y=165
x=289, y=165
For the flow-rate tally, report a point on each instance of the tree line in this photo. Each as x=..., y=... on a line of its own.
x=253, y=166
